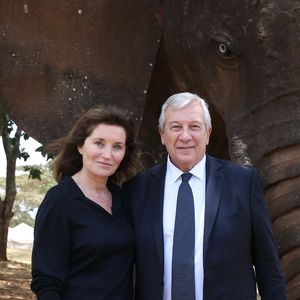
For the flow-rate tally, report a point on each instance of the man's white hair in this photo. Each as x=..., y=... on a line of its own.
x=180, y=100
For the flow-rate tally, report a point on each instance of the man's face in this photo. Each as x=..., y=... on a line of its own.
x=185, y=135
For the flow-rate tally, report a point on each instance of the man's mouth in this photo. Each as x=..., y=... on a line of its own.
x=185, y=147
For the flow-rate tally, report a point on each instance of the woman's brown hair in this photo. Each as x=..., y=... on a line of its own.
x=68, y=160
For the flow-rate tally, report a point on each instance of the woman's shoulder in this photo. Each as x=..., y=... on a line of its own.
x=61, y=191
x=58, y=199
x=59, y=187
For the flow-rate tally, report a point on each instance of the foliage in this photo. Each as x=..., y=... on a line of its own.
x=7, y=127
x=30, y=193
x=44, y=152
x=6, y=130
x=35, y=172
x=11, y=136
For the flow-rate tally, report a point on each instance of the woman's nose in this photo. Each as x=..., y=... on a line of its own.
x=107, y=152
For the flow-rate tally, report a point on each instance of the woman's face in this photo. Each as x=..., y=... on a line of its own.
x=103, y=150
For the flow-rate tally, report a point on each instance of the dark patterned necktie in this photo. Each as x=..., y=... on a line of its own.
x=183, y=270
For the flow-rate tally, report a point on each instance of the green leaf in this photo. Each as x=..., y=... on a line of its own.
x=25, y=136
x=44, y=152
x=34, y=172
x=23, y=155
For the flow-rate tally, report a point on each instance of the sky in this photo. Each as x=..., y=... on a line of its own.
x=35, y=157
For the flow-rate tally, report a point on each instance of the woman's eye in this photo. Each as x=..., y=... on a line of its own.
x=100, y=144
x=118, y=147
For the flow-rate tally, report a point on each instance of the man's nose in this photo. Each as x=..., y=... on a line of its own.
x=185, y=134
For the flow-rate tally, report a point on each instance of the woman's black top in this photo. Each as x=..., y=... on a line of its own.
x=80, y=250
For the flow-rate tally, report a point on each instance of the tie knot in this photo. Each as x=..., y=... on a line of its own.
x=186, y=176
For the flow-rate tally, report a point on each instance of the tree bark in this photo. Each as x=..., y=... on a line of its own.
x=6, y=205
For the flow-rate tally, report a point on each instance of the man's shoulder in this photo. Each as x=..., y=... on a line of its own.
x=150, y=172
x=147, y=174
x=230, y=166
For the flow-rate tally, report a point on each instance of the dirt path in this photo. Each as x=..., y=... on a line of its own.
x=15, y=276
x=14, y=281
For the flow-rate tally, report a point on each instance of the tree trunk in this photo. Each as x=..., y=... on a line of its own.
x=6, y=205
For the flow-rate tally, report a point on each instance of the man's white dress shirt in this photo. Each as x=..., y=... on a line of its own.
x=197, y=183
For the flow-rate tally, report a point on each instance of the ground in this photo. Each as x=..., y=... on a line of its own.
x=15, y=276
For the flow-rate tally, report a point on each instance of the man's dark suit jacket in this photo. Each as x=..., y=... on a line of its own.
x=237, y=234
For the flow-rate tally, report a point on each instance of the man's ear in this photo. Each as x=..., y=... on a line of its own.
x=208, y=133
x=162, y=134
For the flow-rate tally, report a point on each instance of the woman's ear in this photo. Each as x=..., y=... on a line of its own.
x=79, y=148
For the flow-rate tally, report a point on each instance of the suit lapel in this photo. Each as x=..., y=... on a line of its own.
x=214, y=184
x=156, y=196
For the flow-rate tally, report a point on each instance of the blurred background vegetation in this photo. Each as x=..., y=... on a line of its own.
x=30, y=193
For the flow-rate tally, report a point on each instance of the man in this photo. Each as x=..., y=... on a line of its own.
x=232, y=241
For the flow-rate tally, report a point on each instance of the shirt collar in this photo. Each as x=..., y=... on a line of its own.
x=198, y=170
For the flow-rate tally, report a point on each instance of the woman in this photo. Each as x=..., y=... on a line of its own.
x=83, y=247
